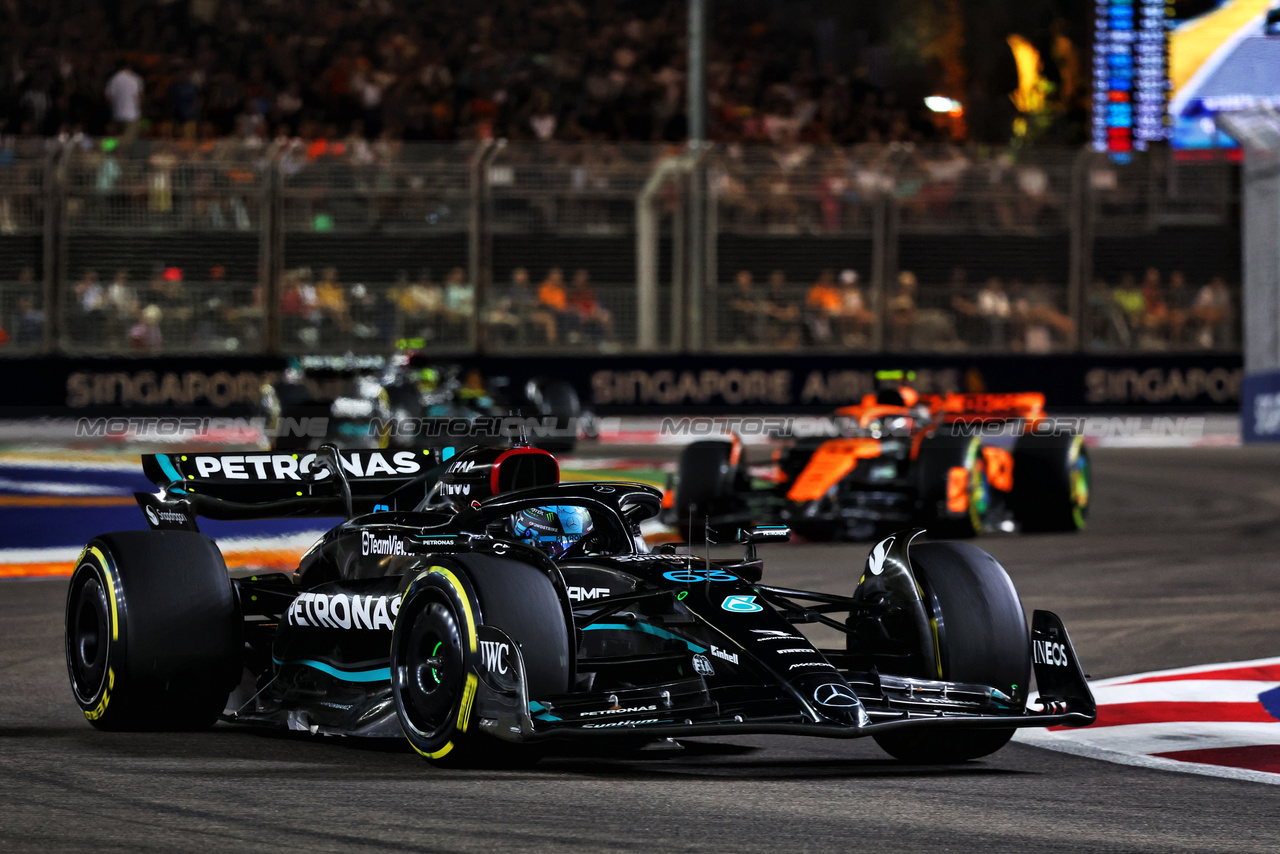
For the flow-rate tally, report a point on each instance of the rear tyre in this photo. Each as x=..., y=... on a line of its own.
x=953, y=486
x=982, y=638
x=705, y=482
x=1052, y=482
x=435, y=657
x=154, y=635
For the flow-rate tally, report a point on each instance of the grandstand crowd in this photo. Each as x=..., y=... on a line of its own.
x=809, y=146
x=563, y=70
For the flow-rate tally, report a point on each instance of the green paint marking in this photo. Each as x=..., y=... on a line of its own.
x=682, y=594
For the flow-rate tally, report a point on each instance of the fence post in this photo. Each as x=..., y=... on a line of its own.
x=711, y=303
x=271, y=249
x=49, y=249
x=479, y=242
x=1079, y=240
x=647, y=228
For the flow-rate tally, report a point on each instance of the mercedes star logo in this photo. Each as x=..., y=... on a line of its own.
x=835, y=694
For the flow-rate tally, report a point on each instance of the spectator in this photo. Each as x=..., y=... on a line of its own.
x=902, y=312
x=744, y=316
x=554, y=300
x=1107, y=324
x=518, y=313
x=299, y=315
x=994, y=310
x=91, y=301
x=968, y=320
x=822, y=308
x=1212, y=315
x=1127, y=297
x=459, y=305
x=781, y=314
x=594, y=321
x=1155, y=312
x=1181, y=301
x=124, y=93
x=365, y=313
x=856, y=319
x=422, y=304
x=146, y=335
x=331, y=300
x=29, y=328
x=1040, y=324
x=121, y=307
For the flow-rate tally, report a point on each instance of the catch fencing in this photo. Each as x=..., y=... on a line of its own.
x=330, y=246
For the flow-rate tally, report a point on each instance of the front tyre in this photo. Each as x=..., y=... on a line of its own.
x=435, y=657
x=153, y=631
x=432, y=650
x=982, y=638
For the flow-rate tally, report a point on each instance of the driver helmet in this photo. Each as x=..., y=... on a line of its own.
x=552, y=528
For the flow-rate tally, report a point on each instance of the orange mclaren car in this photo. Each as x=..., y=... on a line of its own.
x=957, y=464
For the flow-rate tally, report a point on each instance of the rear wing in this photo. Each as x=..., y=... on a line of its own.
x=993, y=407
x=328, y=482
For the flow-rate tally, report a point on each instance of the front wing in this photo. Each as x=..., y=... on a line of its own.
x=882, y=703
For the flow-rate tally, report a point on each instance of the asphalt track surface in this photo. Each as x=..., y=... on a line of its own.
x=1179, y=567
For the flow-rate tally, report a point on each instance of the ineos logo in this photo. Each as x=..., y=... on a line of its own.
x=1049, y=652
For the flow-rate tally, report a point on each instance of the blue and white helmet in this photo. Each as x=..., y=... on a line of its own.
x=552, y=528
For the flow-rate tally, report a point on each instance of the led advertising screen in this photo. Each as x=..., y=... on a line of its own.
x=1223, y=56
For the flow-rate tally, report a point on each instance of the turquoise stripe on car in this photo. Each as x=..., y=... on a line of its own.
x=166, y=465
x=378, y=674
x=648, y=630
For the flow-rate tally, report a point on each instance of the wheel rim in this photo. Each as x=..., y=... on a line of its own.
x=979, y=498
x=88, y=640
x=1080, y=483
x=430, y=669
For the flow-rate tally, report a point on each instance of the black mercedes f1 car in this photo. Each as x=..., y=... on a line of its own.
x=370, y=401
x=483, y=609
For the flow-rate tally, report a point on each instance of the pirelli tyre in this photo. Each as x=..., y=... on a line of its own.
x=952, y=480
x=436, y=655
x=1052, y=482
x=154, y=635
x=981, y=636
x=706, y=478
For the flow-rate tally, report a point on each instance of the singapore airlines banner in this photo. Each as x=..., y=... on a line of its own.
x=657, y=384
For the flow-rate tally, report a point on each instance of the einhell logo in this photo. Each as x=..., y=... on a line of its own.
x=388, y=545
